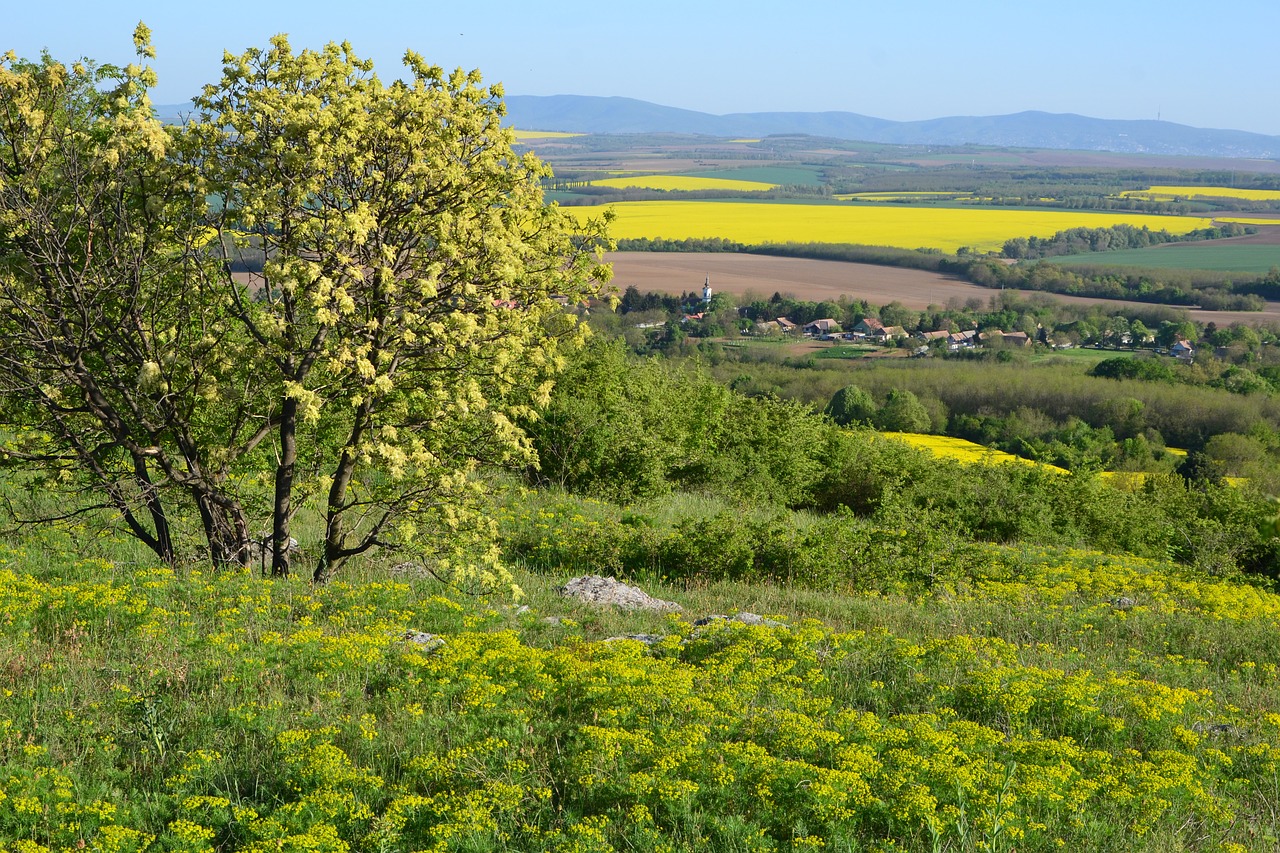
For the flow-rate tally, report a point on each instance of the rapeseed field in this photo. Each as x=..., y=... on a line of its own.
x=908, y=227
x=964, y=451
x=683, y=182
x=1168, y=193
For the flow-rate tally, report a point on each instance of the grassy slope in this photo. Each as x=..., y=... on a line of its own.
x=1040, y=699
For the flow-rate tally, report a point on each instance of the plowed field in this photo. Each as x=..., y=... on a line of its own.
x=761, y=275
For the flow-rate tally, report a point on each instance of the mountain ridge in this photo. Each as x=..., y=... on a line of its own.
x=1027, y=129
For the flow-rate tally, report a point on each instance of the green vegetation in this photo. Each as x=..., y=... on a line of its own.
x=1222, y=257
x=1033, y=700
x=781, y=175
x=377, y=355
x=956, y=657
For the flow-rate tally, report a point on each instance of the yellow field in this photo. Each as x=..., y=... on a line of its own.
x=1167, y=193
x=682, y=182
x=947, y=229
x=962, y=450
x=898, y=196
x=544, y=134
x=1244, y=220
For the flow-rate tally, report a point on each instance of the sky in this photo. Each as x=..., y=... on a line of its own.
x=1194, y=63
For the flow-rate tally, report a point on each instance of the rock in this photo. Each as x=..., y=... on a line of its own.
x=647, y=639
x=1216, y=730
x=744, y=618
x=1123, y=602
x=603, y=592
x=551, y=620
x=428, y=642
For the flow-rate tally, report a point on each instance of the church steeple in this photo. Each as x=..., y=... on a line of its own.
x=706, y=291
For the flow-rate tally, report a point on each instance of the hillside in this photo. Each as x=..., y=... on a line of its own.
x=1031, y=129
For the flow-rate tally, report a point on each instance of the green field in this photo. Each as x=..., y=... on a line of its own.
x=1219, y=256
x=803, y=175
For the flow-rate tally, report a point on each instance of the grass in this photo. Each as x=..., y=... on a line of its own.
x=846, y=351
x=1029, y=699
x=906, y=227
x=1079, y=355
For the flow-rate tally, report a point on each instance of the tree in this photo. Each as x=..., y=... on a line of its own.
x=402, y=321
x=851, y=405
x=92, y=268
x=902, y=412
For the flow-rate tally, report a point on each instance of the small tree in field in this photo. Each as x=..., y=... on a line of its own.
x=402, y=318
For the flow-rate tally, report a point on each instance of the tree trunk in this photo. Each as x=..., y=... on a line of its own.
x=226, y=532
x=162, y=543
x=335, y=526
x=283, y=506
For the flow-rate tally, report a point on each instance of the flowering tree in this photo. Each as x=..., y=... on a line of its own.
x=400, y=319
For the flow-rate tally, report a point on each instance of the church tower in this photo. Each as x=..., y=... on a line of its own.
x=706, y=291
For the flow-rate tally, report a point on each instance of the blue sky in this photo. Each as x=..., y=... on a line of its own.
x=1194, y=63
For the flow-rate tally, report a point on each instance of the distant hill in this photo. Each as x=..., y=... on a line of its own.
x=588, y=114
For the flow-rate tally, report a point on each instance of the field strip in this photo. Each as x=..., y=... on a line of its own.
x=683, y=182
x=812, y=280
x=1168, y=193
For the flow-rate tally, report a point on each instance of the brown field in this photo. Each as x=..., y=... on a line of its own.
x=760, y=275
x=1268, y=235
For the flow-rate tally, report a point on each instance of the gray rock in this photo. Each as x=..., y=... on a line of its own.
x=1216, y=730
x=429, y=642
x=1123, y=602
x=744, y=618
x=647, y=639
x=605, y=592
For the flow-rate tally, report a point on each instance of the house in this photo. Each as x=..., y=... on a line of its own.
x=1182, y=349
x=887, y=333
x=1017, y=339
x=825, y=326
x=961, y=340
x=930, y=337
x=785, y=325
x=868, y=326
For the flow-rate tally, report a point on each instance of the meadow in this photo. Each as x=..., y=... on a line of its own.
x=1027, y=699
x=910, y=227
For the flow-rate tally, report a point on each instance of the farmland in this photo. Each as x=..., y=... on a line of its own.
x=908, y=227
x=962, y=450
x=683, y=182
x=1169, y=192
x=744, y=275
x=1221, y=255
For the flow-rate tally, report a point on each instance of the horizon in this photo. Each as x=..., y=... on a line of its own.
x=1162, y=62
